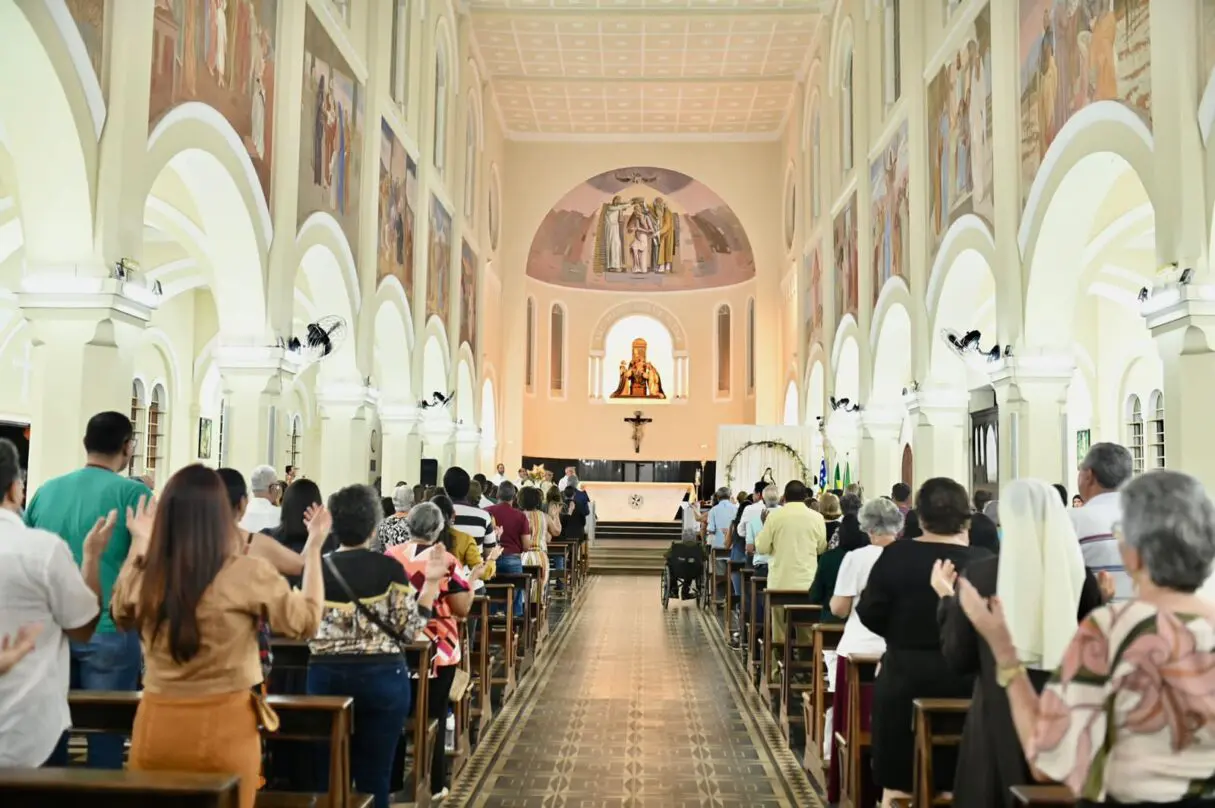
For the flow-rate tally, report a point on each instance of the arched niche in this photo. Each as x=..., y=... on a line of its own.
x=891, y=360
x=646, y=308
x=393, y=344
x=792, y=415
x=466, y=403
x=618, y=347
x=435, y=365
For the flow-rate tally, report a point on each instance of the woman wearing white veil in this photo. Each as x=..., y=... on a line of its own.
x=1041, y=580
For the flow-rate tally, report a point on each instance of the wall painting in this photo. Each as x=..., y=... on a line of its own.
x=812, y=298
x=220, y=53
x=847, y=262
x=889, y=218
x=438, y=262
x=641, y=229
x=1073, y=54
x=331, y=133
x=468, y=297
x=398, y=192
x=960, y=159
x=89, y=16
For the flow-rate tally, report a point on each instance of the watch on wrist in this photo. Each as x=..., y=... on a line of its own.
x=1005, y=674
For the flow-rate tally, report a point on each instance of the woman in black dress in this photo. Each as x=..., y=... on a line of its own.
x=900, y=605
x=1040, y=574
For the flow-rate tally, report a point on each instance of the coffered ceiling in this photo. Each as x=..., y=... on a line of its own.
x=655, y=68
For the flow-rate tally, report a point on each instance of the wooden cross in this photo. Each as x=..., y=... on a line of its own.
x=638, y=422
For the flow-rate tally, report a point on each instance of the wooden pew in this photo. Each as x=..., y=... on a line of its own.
x=772, y=644
x=938, y=725
x=715, y=579
x=95, y=788
x=502, y=629
x=482, y=666
x=565, y=551
x=814, y=703
x=862, y=671
x=1048, y=795
x=799, y=637
x=538, y=609
x=732, y=567
x=524, y=627
x=758, y=620
x=744, y=611
x=462, y=709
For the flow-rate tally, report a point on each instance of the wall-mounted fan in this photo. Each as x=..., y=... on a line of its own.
x=321, y=339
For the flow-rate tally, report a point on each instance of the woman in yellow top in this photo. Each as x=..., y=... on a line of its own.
x=196, y=598
x=463, y=546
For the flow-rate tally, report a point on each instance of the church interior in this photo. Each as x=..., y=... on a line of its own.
x=659, y=247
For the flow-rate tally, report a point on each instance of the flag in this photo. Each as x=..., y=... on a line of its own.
x=836, y=484
x=847, y=474
x=822, y=473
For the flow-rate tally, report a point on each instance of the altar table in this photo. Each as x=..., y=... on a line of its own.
x=637, y=502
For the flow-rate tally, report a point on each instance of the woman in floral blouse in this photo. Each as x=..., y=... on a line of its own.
x=1129, y=715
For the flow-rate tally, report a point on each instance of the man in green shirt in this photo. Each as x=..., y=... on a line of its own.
x=69, y=506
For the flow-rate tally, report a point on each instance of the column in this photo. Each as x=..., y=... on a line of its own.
x=252, y=383
x=680, y=382
x=467, y=449
x=595, y=380
x=344, y=435
x=1184, y=335
x=939, y=438
x=1031, y=392
x=84, y=363
x=402, y=454
x=438, y=433
x=881, y=451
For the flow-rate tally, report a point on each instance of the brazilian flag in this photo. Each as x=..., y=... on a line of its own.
x=837, y=483
x=847, y=474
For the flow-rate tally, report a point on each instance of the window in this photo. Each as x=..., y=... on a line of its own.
x=470, y=165
x=400, y=52
x=1156, y=429
x=751, y=345
x=157, y=420
x=530, y=361
x=135, y=466
x=846, y=112
x=440, y=109
x=294, y=442
x=1134, y=432
x=556, y=356
x=891, y=51
x=723, y=350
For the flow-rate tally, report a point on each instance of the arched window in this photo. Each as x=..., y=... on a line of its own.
x=723, y=350
x=751, y=345
x=442, y=81
x=138, y=421
x=1156, y=429
x=530, y=360
x=891, y=77
x=158, y=413
x=295, y=441
x=846, y=111
x=556, y=355
x=470, y=165
x=1134, y=432
x=400, y=52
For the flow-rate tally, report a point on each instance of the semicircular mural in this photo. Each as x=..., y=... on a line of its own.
x=641, y=229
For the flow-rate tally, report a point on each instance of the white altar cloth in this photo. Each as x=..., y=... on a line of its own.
x=636, y=502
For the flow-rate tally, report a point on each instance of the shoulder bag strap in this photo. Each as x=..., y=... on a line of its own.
x=362, y=609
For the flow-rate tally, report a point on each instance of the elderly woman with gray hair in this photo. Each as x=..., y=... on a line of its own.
x=394, y=529
x=1128, y=716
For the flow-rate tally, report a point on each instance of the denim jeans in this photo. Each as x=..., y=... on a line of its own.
x=381, y=693
x=738, y=552
x=513, y=565
x=111, y=661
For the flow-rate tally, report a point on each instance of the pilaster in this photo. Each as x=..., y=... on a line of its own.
x=939, y=420
x=881, y=451
x=402, y=443
x=1031, y=392
x=467, y=443
x=253, y=384
x=345, y=453
x=438, y=431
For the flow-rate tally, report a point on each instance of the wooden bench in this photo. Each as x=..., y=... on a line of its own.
x=938, y=725
x=797, y=658
x=523, y=626
x=732, y=568
x=565, y=551
x=462, y=709
x=538, y=609
x=744, y=610
x=503, y=676
x=757, y=620
x=96, y=788
x=814, y=703
x=715, y=579
x=861, y=672
x=1051, y=795
x=481, y=667
x=773, y=644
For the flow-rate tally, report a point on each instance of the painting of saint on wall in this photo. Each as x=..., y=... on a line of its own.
x=641, y=230
x=960, y=156
x=331, y=133
x=890, y=217
x=468, y=296
x=438, y=261
x=847, y=262
x=398, y=190
x=89, y=16
x=221, y=53
x=812, y=305
x=1073, y=54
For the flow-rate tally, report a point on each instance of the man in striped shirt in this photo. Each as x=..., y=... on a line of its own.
x=470, y=518
x=1104, y=469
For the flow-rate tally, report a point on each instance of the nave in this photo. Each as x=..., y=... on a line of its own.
x=634, y=706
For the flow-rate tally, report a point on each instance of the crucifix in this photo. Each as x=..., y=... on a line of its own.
x=638, y=422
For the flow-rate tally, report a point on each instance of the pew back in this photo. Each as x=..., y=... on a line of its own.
x=938, y=725
x=37, y=788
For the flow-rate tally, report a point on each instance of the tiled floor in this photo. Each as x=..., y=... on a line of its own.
x=632, y=706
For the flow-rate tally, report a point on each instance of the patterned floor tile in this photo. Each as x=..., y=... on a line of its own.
x=632, y=706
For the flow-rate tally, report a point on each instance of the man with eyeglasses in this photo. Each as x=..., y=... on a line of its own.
x=69, y=506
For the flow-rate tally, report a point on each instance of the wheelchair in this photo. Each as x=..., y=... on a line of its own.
x=685, y=567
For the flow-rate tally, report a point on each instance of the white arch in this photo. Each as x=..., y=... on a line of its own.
x=848, y=329
x=650, y=309
x=792, y=405
x=466, y=405
x=816, y=388
x=848, y=369
x=392, y=343
x=892, y=359
x=968, y=233
x=962, y=288
x=489, y=413
x=436, y=360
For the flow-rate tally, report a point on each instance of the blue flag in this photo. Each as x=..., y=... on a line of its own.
x=822, y=473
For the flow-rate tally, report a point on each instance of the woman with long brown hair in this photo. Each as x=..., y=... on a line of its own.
x=195, y=599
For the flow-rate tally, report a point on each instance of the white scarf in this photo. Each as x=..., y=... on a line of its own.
x=1041, y=572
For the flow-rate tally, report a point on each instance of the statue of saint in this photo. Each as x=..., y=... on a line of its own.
x=638, y=376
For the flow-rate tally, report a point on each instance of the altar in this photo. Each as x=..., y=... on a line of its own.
x=637, y=502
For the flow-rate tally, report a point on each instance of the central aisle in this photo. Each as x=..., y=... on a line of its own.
x=632, y=706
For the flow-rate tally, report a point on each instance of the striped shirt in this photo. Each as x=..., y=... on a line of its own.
x=476, y=522
x=1094, y=525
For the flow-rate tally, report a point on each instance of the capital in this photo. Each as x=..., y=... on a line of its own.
x=345, y=399
x=468, y=435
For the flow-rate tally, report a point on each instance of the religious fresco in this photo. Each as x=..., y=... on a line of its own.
x=847, y=262
x=641, y=229
x=1073, y=54
x=331, y=133
x=812, y=298
x=960, y=156
x=220, y=53
x=889, y=217
x=468, y=296
x=438, y=261
x=398, y=190
x=89, y=16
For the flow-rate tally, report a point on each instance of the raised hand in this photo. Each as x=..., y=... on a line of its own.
x=495, y=553
x=944, y=575
x=99, y=536
x=13, y=650
x=1105, y=582
x=139, y=523
x=437, y=568
x=319, y=522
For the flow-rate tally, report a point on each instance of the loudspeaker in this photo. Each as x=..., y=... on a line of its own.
x=430, y=471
